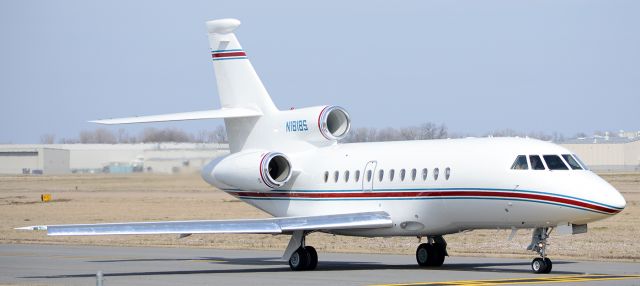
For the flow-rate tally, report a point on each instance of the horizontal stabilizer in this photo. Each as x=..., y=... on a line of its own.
x=194, y=115
x=270, y=225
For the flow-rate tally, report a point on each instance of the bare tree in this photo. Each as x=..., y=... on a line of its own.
x=123, y=136
x=388, y=134
x=219, y=135
x=165, y=135
x=47, y=138
x=98, y=136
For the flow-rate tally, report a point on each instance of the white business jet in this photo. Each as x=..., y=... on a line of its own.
x=289, y=164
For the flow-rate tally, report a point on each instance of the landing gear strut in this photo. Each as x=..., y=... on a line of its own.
x=542, y=264
x=432, y=254
x=301, y=257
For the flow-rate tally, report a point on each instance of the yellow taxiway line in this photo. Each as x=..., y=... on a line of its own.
x=530, y=280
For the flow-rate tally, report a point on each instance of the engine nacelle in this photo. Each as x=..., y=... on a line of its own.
x=317, y=124
x=249, y=170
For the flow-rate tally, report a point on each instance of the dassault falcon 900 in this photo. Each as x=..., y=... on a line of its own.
x=289, y=164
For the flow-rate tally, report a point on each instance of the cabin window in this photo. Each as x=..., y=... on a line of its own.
x=380, y=175
x=336, y=174
x=369, y=175
x=536, y=162
x=402, y=174
x=520, y=163
x=357, y=175
x=436, y=171
x=584, y=166
x=572, y=162
x=424, y=174
x=554, y=162
x=346, y=176
x=326, y=176
x=413, y=174
x=447, y=173
x=392, y=173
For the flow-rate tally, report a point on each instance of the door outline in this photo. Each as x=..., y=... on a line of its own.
x=367, y=186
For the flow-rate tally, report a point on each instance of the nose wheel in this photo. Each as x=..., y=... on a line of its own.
x=542, y=264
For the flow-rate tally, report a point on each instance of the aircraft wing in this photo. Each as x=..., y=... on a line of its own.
x=206, y=114
x=269, y=225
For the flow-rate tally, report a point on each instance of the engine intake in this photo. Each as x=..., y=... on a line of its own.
x=275, y=169
x=334, y=122
x=254, y=170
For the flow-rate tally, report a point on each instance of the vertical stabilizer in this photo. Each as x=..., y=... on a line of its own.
x=238, y=83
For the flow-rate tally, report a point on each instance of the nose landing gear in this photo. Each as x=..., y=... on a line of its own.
x=542, y=264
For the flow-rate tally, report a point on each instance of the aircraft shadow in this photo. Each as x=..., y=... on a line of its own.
x=506, y=267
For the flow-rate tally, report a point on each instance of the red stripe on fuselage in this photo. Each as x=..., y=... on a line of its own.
x=400, y=194
x=229, y=54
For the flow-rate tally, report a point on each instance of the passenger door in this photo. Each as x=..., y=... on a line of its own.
x=367, y=176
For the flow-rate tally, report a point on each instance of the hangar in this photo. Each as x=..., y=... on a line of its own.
x=33, y=160
x=607, y=154
x=107, y=158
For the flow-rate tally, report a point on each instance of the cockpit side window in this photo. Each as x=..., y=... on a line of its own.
x=520, y=163
x=554, y=162
x=572, y=162
x=536, y=162
x=584, y=166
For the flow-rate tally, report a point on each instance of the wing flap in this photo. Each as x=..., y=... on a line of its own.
x=194, y=115
x=264, y=226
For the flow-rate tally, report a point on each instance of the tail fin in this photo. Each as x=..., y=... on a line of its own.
x=245, y=102
x=238, y=84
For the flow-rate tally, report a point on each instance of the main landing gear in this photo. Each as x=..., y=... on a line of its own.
x=542, y=264
x=432, y=253
x=301, y=257
x=305, y=258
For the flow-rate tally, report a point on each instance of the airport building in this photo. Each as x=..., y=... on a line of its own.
x=602, y=154
x=607, y=154
x=107, y=158
x=26, y=159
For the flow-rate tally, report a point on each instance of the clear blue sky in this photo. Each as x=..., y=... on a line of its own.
x=477, y=66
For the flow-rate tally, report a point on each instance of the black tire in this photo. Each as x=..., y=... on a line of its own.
x=438, y=255
x=549, y=264
x=299, y=260
x=539, y=266
x=424, y=254
x=313, y=257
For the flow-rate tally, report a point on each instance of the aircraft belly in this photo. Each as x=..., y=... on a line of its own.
x=421, y=217
x=410, y=217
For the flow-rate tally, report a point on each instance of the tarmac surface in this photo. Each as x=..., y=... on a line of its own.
x=77, y=265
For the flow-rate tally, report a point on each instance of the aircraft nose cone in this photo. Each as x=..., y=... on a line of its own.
x=612, y=197
x=617, y=200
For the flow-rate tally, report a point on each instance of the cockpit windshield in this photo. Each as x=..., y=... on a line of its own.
x=520, y=163
x=548, y=162
x=554, y=162
x=536, y=162
x=572, y=162
x=584, y=166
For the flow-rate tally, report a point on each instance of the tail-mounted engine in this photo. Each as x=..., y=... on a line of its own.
x=275, y=169
x=249, y=170
x=317, y=124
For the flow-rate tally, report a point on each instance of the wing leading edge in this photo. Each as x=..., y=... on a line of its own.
x=268, y=226
x=194, y=115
